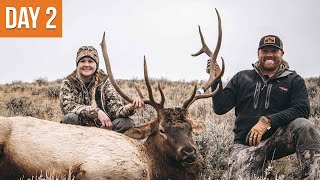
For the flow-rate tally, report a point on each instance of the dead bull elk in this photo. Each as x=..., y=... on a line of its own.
x=29, y=146
x=172, y=153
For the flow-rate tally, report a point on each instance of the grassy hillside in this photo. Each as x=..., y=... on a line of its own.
x=41, y=99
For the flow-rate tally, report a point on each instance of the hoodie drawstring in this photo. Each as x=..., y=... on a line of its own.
x=266, y=104
x=256, y=95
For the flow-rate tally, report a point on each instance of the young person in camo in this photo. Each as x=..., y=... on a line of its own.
x=87, y=97
x=272, y=110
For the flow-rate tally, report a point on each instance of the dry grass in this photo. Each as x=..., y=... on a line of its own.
x=40, y=99
x=49, y=176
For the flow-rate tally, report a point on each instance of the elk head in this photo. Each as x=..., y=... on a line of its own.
x=171, y=131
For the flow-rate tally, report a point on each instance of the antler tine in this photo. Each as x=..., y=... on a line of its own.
x=108, y=67
x=146, y=79
x=199, y=96
x=218, y=45
x=162, y=95
x=139, y=92
x=151, y=100
x=204, y=48
x=187, y=103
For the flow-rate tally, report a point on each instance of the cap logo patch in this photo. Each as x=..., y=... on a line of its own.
x=269, y=40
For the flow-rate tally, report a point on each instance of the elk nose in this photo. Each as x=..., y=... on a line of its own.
x=188, y=154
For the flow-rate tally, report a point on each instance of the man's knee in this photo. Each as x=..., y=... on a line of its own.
x=307, y=135
x=71, y=118
x=122, y=124
x=300, y=121
x=302, y=124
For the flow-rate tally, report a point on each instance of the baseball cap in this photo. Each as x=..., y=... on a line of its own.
x=271, y=40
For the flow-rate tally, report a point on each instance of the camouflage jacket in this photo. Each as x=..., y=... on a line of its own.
x=75, y=97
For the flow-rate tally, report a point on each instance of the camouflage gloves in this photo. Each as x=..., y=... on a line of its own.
x=255, y=134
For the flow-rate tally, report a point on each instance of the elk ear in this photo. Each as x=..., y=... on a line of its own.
x=143, y=131
x=198, y=127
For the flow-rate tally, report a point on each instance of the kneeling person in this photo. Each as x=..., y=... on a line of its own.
x=88, y=98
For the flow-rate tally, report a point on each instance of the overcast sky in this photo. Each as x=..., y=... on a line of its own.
x=166, y=32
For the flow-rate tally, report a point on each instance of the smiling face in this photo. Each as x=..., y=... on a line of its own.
x=270, y=58
x=86, y=68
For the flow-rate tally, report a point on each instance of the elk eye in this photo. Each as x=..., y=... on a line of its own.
x=161, y=130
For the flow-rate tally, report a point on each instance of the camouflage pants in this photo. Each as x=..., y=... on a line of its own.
x=300, y=137
x=120, y=125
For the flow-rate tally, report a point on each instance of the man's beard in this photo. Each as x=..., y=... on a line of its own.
x=266, y=66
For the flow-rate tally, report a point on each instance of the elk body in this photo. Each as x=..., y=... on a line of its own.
x=29, y=145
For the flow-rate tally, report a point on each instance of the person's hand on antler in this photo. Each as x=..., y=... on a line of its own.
x=216, y=68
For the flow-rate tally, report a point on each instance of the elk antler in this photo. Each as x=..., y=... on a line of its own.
x=150, y=101
x=213, y=59
x=205, y=49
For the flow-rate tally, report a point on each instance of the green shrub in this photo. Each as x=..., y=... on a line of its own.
x=18, y=106
x=41, y=81
x=52, y=91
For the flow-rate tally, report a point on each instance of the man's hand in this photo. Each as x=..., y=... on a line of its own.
x=105, y=120
x=216, y=68
x=255, y=134
x=136, y=104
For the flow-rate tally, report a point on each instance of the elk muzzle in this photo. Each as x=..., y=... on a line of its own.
x=188, y=156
